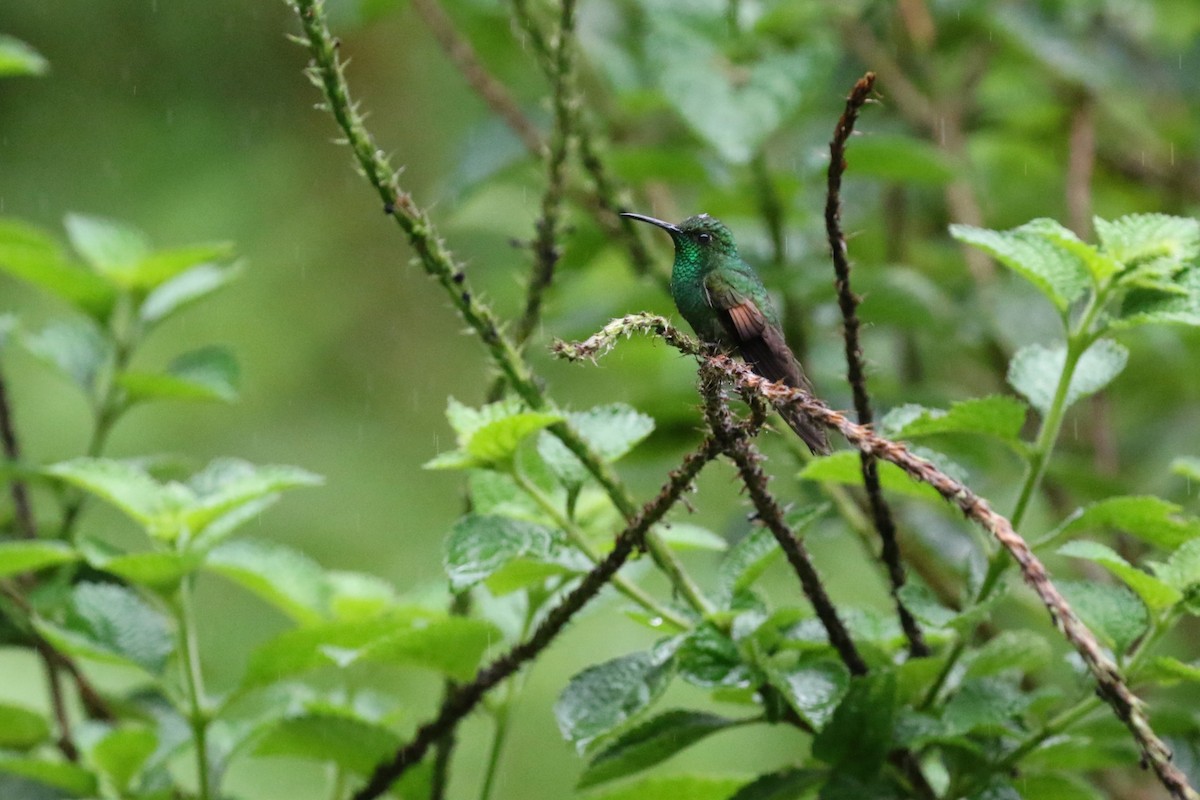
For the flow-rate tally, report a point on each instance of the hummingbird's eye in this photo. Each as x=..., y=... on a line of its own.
x=704, y=238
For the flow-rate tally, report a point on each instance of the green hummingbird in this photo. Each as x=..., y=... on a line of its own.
x=725, y=302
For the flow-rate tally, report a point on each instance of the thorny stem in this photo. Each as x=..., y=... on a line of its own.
x=327, y=73
x=1110, y=684
x=848, y=301
x=463, y=699
x=578, y=538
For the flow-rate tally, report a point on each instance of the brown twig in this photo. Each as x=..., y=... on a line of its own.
x=747, y=458
x=848, y=302
x=463, y=699
x=1110, y=685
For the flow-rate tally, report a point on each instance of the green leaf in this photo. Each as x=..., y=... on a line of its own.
x=111, y=248
x=611, y=431
x=786, y=784
x=684, y=536
x=110, y=623
x=708, y=657
x=920, y=600
x=355, y=595
x=122, y=484
x=983, y=704
x=183, y=290
x=407, y=635
x=1151, y=519
x=63, y=775
x=1114, y=613
x=1053, y=269
x=896, y=158
x=76, y=347
x=1101, y=266
x=996, y=415
x=1035, y=369
x=28, y=253
x=480, y=546
x=813, y=687
x=1009, y=650
x=30, y=555
x=745, y=562
x=210, y=373
x=1182, y=570
x=709, y=92
x=1142, y=237
x=1156, y=594
x=160, y=570
x=673, y=787
x=650, y=743
x=1168, y=670
x=1187, y=466
x=228, y=484
x=488, y=437
x=161, y=266
x=844, y=467
x=353, y=744
x=859, y=736
x=122, y=754
x=21, y=729
x=605, y=696
x=19, y=58
x=1179, y=306
x=285, y=578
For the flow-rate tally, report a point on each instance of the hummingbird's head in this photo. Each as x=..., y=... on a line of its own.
x=701, y=240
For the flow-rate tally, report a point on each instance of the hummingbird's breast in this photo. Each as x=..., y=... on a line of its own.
x=691, y=298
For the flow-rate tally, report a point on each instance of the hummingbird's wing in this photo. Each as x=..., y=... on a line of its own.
x=760, y=342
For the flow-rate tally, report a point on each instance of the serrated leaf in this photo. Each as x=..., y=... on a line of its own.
x=650, y=743
x=285, y=578
x=357, y=595
x=229, y=484
x=1155, y=593
x=786, y=784
x=684, y=536
x=122, y=484
x=813, y=687
x=76, y=347
x=746, y=560
x=31, y=555
x=160, y=570
x=1182, y=570
x=983, y=704
x=407, y=635
x=183, y=290
x=709, y=658
x=354, y=744
x=1054, y=270
x=1151, y=519
x=1148, y=306
x=1102, y=266
x=112, y=248
x=1141, y=237
x=1035, y=369
x=1017, y=649
x=479, y=546
x=488, y=437
x=859, y=736
x=122, y=753
x=110, y=623
x=210, y=373
x=19, y=58
x=21, y=729
x=1114, y=613
x=30, y=254
x=611, y=431
x=608, y=695
x=673, y=787
x=920, y=600
x=996, y=415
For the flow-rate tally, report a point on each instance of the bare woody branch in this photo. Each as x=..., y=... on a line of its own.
x=1110, y=684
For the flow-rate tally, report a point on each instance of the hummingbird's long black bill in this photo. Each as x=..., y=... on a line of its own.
x=666, y=226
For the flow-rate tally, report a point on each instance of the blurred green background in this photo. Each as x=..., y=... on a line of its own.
x=194, y=122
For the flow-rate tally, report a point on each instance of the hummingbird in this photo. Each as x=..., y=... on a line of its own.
x=725, y=302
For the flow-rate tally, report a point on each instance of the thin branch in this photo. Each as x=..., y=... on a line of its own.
x=463, y=699
x=328, y=74
x=545, y=245
x=746, y=457
x=463, y=56
x=1110, y=684
x=848, y=301
x=22, y=509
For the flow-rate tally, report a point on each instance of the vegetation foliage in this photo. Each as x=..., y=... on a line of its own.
x=1057, y=387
